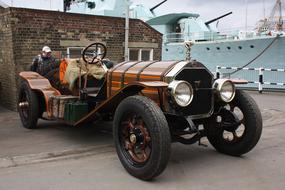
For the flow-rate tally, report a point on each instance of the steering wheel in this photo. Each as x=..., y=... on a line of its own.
x=94, y=52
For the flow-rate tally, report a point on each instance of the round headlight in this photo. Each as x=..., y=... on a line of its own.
x=225, y=89
x=182, y=92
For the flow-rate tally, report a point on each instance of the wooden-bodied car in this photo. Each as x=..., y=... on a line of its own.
x=151, y=103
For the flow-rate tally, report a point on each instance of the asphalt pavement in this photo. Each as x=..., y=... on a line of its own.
x=58, y=156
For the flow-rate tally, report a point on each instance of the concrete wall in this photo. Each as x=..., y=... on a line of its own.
x=23, y=32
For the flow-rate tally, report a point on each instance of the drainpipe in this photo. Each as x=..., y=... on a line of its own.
x=127, y=31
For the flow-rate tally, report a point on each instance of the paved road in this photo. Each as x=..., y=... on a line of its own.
x=61, y=157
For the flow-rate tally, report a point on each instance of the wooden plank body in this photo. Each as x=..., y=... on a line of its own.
x=128, y=72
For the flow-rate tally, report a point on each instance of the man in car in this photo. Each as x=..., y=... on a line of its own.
x=44, y=62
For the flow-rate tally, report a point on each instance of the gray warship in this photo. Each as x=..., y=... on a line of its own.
x=241, y=53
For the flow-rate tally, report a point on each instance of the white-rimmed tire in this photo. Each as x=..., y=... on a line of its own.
x=237, y=128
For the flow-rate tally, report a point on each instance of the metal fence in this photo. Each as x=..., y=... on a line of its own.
x=257, y=78
x=209, y=36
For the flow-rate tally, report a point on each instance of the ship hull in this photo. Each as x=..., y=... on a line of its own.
x=237, y=53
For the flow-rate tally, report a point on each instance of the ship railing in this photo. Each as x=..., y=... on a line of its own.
x=209, y=36
x=264, y=78
x=174, y=38
x=194, y=36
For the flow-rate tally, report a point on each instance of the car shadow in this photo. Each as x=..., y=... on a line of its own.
x=190, y=161
x=88, y=134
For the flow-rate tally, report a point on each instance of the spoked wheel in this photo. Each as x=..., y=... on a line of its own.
x=28, y=107
x=142, y=137
x=94, y=52
x=237, y=128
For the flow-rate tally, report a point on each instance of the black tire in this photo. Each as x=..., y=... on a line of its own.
x=150, y=128
x=250, y=121
x=29, y=113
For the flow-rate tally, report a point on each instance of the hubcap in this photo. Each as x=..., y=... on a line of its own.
x=135, y=139
x=24, y=104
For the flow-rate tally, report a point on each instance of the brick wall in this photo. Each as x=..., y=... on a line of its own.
x=8, y=86
x=23, y=32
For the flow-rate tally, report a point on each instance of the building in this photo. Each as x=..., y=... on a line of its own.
x=23, y=32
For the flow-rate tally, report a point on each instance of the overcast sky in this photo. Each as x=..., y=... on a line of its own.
x=207, y=9
x=39, y=4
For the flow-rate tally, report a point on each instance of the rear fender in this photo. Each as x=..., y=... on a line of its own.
x=41, y=85
x=110, y=105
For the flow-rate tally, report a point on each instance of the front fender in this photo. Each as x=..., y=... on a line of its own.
x=111, y=103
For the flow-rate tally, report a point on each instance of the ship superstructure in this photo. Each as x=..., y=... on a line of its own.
x=261, y=48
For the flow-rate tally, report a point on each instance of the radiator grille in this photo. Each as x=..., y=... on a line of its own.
x=201, y=80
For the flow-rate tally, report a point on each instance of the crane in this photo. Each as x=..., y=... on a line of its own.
x=273, y=22
x=277, y=8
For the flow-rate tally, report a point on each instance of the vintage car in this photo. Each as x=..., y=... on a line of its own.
x=152, y=104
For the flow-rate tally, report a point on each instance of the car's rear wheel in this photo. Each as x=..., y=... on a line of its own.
x=237, y=128
x=28, y=106
x=142, y=137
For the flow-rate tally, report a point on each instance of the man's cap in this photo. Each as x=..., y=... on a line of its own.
x=46, y=49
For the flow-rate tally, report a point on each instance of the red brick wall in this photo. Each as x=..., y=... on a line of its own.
x=29, y=30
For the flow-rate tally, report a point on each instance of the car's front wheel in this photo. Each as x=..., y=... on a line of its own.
x=142, y=137
x=237, y=128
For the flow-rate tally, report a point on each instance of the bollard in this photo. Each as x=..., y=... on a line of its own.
x=217, y=72
x=260, y=82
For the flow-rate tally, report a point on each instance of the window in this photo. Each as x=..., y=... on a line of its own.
x=74, y=52
x=134, y=55
x=145, y=55
x=140, y=54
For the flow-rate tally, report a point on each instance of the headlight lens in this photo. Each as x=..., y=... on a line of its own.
x=225, y=89
x=182, y=92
